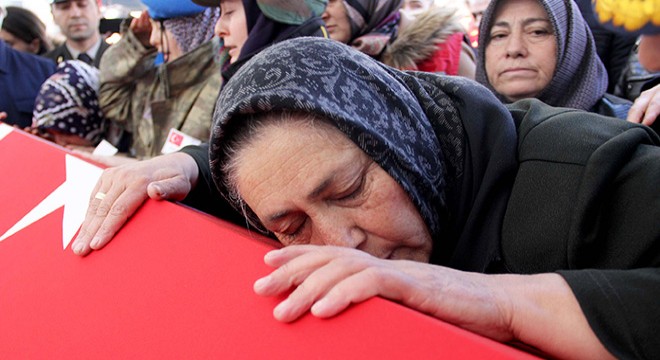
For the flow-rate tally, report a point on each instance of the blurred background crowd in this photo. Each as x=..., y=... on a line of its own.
x=126, y=95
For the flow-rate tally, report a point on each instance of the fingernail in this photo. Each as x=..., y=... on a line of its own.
x=271, y=254
x=281, y=310
x=320, y=307
x=261, y=284
x=78, y=248
x=95, y=243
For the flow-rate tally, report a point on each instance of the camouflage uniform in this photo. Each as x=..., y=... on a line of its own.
x=148, y=101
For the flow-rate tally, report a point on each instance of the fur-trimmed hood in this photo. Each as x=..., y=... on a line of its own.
x=418, y=40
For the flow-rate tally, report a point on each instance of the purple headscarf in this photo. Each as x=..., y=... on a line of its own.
x=580, y=78
x=193, y=30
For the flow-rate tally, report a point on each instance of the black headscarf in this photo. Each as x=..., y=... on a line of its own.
x=580, y=78
x=272, y=21
x=447, y=141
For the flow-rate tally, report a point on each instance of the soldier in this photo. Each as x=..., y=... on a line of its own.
x=79, y=22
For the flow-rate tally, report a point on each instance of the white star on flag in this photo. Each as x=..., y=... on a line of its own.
x=73, y=194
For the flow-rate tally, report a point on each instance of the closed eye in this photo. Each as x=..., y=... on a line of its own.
x=291, y=235
x=355, y=190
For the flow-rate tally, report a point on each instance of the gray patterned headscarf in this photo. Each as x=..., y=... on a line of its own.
x=411, y=124
x=193, y=30
x=580, y=78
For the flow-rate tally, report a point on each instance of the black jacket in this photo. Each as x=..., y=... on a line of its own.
x=585, y=203
x=61, y=53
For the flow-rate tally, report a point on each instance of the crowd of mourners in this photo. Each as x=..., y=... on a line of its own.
x=493, y=164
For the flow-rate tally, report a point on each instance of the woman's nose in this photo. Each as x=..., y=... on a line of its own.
x=218, y=29
x=515, y=46
x=338, y=231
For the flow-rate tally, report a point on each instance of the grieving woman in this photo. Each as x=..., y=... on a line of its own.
x=244, y=29
x=530, y=224
x=525, y=224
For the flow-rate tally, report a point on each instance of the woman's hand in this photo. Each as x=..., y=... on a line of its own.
x=328, y=279
x=534, y=309
x=121, y=191
x=646, y=107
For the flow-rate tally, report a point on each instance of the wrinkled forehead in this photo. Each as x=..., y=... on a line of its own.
x=509, y=8
x=555, y=11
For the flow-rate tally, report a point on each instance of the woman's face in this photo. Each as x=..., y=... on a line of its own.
x=18, y=44
x=232, y=27
x=521, y=54
x=336, y=21
x=170, y=47
x=312, y=185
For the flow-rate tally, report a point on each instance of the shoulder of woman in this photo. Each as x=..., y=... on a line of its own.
x=565, y=134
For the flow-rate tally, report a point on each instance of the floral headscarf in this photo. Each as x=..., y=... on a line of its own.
x=68, y=102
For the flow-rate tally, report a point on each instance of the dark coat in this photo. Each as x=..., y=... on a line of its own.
x=585, y=203
x=21, y=76
x=61, y=53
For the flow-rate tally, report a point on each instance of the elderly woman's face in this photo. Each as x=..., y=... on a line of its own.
x=312, y=185
x=521, y=54
x=336, y=20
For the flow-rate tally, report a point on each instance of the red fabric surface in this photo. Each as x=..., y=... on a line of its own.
x=174, y=284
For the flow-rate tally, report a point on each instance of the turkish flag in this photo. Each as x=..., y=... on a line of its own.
x=176, y=138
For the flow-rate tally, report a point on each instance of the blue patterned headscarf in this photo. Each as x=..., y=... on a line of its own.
x=580, y=78
x=447, y=141
x=68, y=102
